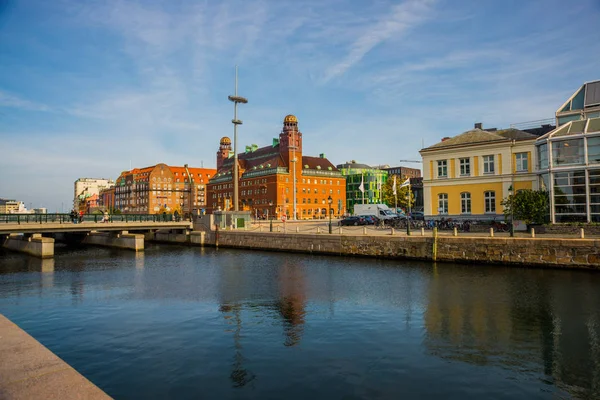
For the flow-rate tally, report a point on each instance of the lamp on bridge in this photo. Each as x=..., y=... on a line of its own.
x=329, y=202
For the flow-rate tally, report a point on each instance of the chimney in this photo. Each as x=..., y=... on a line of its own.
x=445, y=138
x=478, y=125
x=322, y=155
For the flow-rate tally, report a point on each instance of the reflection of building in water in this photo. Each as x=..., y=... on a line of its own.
x=237, y=291
x=519, y=320
x=291, y=304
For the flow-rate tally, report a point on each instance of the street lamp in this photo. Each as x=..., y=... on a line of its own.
x=512, y=211
x=329, y=201
x=408, y=215
x=270, y=217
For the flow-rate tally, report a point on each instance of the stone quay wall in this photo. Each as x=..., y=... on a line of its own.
x=555, y=253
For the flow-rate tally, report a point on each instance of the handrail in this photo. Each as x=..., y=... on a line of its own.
x=96, y=218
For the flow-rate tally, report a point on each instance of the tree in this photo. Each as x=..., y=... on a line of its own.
x=388, y=194
x=531, y=206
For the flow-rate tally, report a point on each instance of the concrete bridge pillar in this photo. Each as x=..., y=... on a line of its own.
x=34, y=244
x=122, y=240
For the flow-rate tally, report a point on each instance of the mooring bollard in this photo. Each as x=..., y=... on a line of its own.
x=364, y=230
x=318, y=229
x=455, y=231
x=392, y=231
x=532, y=232
x=422, y=231
x=278, y=229
x=297, y=229
x=491, y=232
x=340, y=229
x=582, y=233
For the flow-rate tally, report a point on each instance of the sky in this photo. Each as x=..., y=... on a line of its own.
x=90, y=88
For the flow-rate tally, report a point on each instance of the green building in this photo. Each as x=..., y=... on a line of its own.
x=372, y=178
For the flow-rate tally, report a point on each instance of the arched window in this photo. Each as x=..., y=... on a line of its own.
x=465, y=203
x=490, y=201
x=443, y=203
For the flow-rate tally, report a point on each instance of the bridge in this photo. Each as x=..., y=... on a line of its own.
x=35, y=234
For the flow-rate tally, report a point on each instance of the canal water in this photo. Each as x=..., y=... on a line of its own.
x=191, y=323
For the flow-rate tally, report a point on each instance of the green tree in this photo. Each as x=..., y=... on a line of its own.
x=388, y=193
x=531, y=206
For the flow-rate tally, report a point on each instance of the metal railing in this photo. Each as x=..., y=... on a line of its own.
x=57, y=218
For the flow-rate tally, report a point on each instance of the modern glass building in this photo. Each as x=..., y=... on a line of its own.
x=372, y=178
x=569, y=158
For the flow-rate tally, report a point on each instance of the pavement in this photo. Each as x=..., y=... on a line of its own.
x=28, y=370
x=322, y=226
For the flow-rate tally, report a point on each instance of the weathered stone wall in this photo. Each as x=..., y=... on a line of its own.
x=517, y=251
x=559, y=229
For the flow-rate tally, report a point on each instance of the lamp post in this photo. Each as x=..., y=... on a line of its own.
x=270, y=217
x=408, y=215
x=512, y=211
x=329, y=201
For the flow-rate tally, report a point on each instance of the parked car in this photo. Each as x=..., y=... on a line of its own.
x=352, y=221
x=369, y=219
x=418, y=215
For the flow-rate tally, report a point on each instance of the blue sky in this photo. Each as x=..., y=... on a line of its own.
x=86, y=87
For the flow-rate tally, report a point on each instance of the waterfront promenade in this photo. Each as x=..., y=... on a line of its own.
x=28, y=370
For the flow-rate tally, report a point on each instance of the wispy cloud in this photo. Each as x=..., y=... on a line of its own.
x=14, y=101
x=399, y=20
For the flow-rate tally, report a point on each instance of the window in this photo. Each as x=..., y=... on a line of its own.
x=522, y=162
x=465, y=203
x=465, y=167
x=490, y=202
x=488, y=164
x=567, y=152
x=442, y=168
x=443, y=203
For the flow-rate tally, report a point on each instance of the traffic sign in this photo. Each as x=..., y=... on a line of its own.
x=283, y=217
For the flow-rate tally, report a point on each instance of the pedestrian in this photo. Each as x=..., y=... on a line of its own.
x=73, y=216
x=105, y=218
x=81, y=216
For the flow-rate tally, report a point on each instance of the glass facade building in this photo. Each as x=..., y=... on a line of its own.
x=373, y=180
x=569, y=168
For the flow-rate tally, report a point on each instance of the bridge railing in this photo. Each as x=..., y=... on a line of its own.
x=57, y=218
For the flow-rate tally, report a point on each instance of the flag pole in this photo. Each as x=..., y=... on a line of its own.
x=362, y=181
x=395, y=196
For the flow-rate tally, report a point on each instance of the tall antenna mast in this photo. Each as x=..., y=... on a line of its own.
x=235, y=121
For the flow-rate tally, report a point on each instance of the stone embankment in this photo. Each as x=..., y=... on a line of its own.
x=28, y=370
x=548, y=252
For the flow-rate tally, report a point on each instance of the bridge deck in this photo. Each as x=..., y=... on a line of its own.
x=52, y=227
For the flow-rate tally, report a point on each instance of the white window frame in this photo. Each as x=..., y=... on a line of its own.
x=443, y=203
x=488, y=165
x=465, y=203
x=519, y=162
x=442, y=166
x=489, y=202
x=464, y=166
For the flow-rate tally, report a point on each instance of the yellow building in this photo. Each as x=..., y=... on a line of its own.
x=467, y=176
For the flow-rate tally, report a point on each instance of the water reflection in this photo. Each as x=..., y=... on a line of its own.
x=508, y=319
x=248, y=324
x=291, y=304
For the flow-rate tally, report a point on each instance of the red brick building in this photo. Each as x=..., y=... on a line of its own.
x=162, y=188
x=266, y=179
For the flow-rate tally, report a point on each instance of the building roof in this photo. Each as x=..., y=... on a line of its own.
x=317, y=163
x=354, y=164
x=481, y=136
x=578, y=127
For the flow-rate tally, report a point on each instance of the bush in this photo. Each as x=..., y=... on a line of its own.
x=531, y=206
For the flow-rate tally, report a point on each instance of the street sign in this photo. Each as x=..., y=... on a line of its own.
x=283, y=217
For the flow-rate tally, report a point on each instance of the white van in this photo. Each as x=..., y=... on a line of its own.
x=380, y=211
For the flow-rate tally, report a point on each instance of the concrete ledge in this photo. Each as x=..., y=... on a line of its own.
x=123, y=240
x=28, y=370
x=36, y=245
